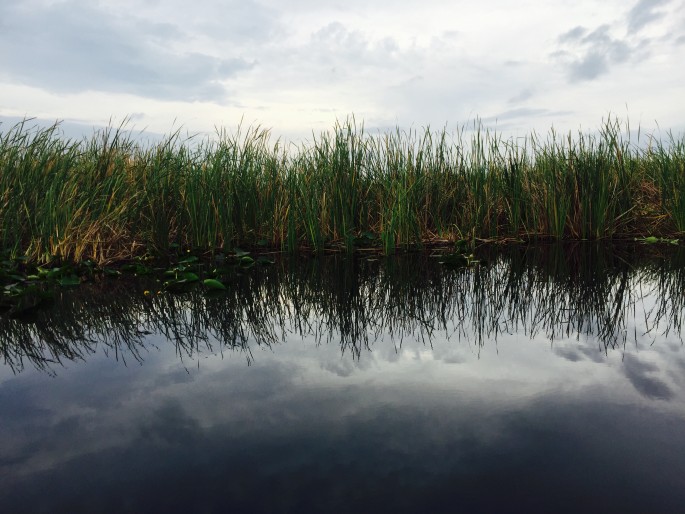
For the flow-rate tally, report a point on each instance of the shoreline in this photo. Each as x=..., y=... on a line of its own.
x=108, y=199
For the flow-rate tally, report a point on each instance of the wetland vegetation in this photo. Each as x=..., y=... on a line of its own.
x=317, y=383
x=109, y=198
x=453, y=372
x=552, y=291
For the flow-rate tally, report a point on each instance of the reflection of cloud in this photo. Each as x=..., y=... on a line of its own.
x=570, y=354
x=638, y=373
x=176, y=376
x=342, y=367
x=306, y=449
x=450, y=354
x=577, y=352
x=170, y=425
x=348, y=363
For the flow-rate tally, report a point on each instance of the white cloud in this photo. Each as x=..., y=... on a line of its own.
x=297, y=68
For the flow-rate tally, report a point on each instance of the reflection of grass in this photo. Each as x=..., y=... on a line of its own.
x=555, y=291
x=108, y=198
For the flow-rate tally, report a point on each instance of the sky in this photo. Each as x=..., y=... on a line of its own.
x=296, y=67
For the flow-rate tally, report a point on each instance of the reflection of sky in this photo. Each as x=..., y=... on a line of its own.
x=517, y=424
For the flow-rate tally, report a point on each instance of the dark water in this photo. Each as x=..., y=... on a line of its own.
x=550, y=380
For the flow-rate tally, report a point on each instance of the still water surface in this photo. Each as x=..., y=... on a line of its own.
x=551, y=379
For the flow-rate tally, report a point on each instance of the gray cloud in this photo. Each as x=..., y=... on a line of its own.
x=573, y=35
x=523, y=112
x=518, y=113
x=133, y=127
x=522, y=96
x=643, y=13
x=335, y=44
x=590, y=54
x=70, y=47
x=589, y=67
x=240, y=21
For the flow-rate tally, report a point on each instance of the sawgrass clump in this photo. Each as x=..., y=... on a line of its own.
x=109, y=197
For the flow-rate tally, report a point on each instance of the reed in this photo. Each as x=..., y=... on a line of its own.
x=108, y=197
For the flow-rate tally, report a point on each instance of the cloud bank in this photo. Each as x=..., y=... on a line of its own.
x=300, y=67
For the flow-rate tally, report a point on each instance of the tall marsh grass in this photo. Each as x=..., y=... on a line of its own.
x=108, y=197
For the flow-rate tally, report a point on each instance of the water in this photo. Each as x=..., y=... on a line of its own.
x=550, y=379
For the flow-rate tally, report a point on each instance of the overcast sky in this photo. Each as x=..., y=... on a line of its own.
x=298, y=66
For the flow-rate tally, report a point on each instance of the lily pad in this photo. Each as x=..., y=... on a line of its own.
x=189, y=277
x=214, y=284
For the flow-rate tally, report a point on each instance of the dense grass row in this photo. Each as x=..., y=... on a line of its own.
x=108, y=197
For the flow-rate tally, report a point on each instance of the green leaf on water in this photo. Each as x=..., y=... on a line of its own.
x=454, y=259
x=188, y=260
x=214, y=284
x=461, y=246
x=654, y=239
x=141, y=269
x=55, y=273
x=69, y=280
x=177, y=286
x=459, y=260
x=241, y=253
x=13, y=289
x=137, y=268
x=189, y=277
